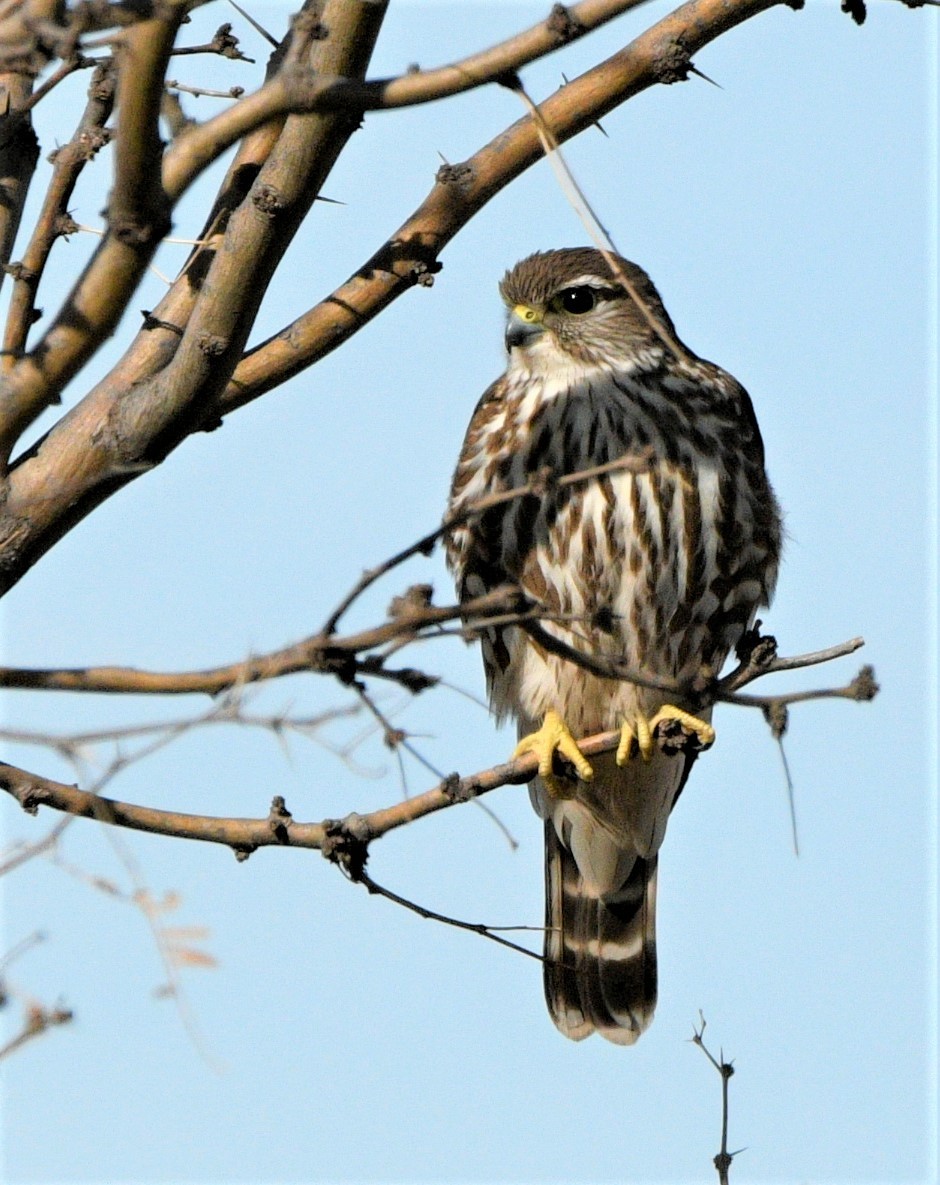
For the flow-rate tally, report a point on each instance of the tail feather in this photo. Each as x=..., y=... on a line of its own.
x=600, y=950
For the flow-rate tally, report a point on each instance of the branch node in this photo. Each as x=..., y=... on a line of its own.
x=777, y=716
x=267, y=200
x=211, y=344
x=414, y=600
x=423, y=273
x=280, y=819
x=65, y=225
x=346, y=843
x=754, y=650
x=243, y=851
x=19, y=271
x=459, y=176
x=562, y=25
x=456, y=789
x=31, y=797
x=863, y=687
x=673, y=64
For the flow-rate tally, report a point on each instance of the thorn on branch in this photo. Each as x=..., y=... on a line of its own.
x=723, y=1158
x=152, y=322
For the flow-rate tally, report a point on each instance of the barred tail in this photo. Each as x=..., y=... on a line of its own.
x=600, y=952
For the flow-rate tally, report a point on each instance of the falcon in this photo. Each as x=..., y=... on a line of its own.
x=656, y=566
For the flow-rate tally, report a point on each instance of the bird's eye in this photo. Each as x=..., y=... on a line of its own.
x=576, y=300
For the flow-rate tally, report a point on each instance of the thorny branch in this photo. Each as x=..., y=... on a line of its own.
x=188, y=367
x=335, y=837
x=723, y=1158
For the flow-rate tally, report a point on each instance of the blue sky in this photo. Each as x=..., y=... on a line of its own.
x=787, y=220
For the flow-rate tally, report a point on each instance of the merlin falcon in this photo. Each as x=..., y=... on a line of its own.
x=658, y=565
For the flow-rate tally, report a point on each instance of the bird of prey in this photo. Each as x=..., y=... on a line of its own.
x=659, y=567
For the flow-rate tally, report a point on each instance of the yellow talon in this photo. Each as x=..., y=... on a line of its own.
x=642, y=730
x=554, y=737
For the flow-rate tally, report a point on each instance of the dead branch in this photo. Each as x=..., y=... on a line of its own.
x=723, y=1158
x=361, y=877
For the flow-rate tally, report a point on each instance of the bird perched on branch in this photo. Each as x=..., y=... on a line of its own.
x=658, y=565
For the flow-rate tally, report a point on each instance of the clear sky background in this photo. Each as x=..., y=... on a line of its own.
x=787, y=219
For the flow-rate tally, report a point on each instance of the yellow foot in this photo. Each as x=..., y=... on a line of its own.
x=642, y=730
x=554, y=737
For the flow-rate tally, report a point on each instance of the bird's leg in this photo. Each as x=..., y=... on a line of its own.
x=554, y=737
x=642, y=730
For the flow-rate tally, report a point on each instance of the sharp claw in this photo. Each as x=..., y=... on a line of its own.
x=627, y=737
x=643, y=731
x=700, y=728
x=554, y=736
x=644, y=737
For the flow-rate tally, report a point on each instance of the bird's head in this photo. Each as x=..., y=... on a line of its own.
x=569, y=309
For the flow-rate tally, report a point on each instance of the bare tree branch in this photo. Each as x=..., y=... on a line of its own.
x=723, y=1159
x=334, y=838
x=661, y=55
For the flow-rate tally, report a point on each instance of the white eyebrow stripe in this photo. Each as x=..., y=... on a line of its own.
x=590, y=280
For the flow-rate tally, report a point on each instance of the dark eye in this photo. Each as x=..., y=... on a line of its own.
x=577, y=300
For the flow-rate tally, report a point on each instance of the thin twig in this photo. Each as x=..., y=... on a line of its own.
x=480, y=928
x=723, y=1159
x=638, y=462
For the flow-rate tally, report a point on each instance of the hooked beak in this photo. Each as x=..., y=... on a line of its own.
x=525, y=324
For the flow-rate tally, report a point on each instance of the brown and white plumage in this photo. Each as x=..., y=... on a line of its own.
x=663, y=568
